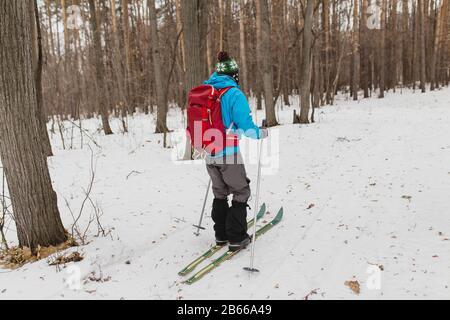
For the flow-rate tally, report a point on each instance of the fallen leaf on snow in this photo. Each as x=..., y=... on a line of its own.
x=100, y=278
x=354, y=286
x=64, y=259
x=311, y=293
x=16, y=257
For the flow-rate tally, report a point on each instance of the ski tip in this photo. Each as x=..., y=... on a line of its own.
x=279, y=216
x=262, y=211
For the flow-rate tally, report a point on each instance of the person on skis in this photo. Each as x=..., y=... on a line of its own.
x=226, y=168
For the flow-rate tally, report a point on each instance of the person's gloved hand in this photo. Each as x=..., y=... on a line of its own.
x=263, y=133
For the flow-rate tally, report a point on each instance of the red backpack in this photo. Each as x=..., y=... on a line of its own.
x=205, y=125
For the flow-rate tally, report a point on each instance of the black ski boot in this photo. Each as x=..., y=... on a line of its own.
x=235, y=246
x=219, y=215
x=237, y=226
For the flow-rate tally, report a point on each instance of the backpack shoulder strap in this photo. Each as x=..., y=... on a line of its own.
x=223, y=91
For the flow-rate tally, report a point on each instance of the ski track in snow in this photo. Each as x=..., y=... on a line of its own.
x=377, y=172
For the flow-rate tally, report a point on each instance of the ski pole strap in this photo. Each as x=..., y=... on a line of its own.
x=230, y=128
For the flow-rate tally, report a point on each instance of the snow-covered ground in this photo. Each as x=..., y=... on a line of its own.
x=366, y=193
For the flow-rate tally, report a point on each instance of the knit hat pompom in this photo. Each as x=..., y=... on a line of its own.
x=223, y=56
x=227, y=65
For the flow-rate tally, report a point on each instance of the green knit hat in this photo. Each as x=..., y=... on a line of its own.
x=227, y=66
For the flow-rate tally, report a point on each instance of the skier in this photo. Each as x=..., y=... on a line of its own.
x=226, y=168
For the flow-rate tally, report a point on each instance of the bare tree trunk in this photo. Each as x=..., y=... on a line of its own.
x=365, y=62
x=195, y=64
x=34, y=201
x=335, y=44
x=50, y=27
x=128, y=65
x=117, y=65
x=355, y=49
x=258, y=83
x=422, y=45
x=383, y=49
x=209, y=46
x=434, y=58
x=327, y=44
x=306, y=63
x=221, y=25
x=66, y=31
x=99, y=69
x=180, y=29
x=415, y=46
x=38, y=56
x=316, y=81
x=443, y=63
x=406, y=69
x=225, y=13
x=394, y=63
x=264, y=53
x=243, y=48
x=161, y=118
x=182, y=57
x=286, y=87
x=116, y=52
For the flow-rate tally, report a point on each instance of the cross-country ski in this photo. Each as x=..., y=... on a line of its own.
x=217, y=247
x=229, y=254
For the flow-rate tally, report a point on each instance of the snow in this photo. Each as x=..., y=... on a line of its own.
x=365, y=188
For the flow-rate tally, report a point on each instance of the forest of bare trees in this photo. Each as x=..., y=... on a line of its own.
x=104, y=58
x=137, y=54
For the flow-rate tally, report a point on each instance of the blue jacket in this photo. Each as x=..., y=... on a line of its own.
x=235, y=109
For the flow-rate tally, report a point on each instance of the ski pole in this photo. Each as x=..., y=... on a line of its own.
x=199, y=226
x=258, y=185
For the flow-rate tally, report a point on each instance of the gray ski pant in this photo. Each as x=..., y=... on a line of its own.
x=228, y=177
